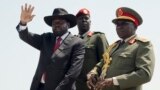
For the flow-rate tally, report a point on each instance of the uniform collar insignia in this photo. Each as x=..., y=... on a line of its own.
x=90, y=33
x=132, y=40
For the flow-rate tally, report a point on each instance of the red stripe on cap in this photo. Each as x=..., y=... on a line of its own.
x=136, y=22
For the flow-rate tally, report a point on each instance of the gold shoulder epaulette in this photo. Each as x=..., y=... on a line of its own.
x=142, y=39
x=90, y=33
x=97, y=32
x=117, y=41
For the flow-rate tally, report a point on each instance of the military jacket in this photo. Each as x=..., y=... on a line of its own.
x=131, y=63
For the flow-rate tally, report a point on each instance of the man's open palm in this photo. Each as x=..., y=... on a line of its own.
x=26, y=14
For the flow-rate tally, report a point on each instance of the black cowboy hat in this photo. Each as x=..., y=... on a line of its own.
x=61, y=13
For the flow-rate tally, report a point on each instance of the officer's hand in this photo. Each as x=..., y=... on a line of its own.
x=26, y=14
x=91, y=80
x=104, y=83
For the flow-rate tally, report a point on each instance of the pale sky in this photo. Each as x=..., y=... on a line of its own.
x=18, y=60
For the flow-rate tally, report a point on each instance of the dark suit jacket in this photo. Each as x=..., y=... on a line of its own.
x=63, y=66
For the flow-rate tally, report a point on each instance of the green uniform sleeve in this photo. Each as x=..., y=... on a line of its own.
x=102, y=45
x=97, y=69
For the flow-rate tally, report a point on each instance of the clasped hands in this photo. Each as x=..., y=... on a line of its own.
x=98, y=83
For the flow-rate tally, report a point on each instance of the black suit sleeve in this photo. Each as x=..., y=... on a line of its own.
x=34, y=40
x=75, y=68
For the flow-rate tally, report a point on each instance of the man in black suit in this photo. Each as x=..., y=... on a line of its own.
x=61, y=53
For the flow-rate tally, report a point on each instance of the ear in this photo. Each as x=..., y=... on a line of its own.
x=90, y=19
x=135, y=27
x=68, y=24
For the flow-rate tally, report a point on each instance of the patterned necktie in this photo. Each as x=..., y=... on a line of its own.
x=58, y=43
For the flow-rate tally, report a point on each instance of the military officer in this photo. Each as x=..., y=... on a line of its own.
x=129, y=62
x=95, y=45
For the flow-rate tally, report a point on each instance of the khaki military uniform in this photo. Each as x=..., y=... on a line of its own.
x=96, y=44
x=131, y=63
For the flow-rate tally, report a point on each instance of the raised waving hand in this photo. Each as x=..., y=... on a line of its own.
x=26, y=13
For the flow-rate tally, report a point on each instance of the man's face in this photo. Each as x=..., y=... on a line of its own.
x=59, y=26
x=83, y=23
x=125, y=28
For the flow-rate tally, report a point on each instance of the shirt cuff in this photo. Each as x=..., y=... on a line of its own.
x=115, y=81
x=89, y=75
x=21, y=28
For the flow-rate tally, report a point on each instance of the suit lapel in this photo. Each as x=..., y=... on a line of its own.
x=65, y=44
x=115, y=48
x=51, y=45
x=122, y=47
